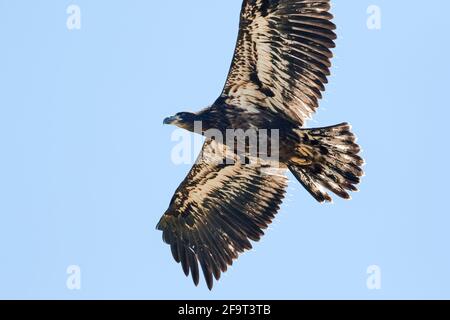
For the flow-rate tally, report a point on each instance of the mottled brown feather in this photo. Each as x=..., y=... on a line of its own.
x=282, y=57
x=218, y=209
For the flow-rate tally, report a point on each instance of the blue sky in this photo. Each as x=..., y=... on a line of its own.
x=86, y=170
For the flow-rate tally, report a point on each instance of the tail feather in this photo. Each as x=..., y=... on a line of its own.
x=328, y=159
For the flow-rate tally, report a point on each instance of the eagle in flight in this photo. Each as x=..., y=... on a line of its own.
x=280, y=66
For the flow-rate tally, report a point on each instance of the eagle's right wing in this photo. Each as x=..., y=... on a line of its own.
x=218, y=209
x=282, y=57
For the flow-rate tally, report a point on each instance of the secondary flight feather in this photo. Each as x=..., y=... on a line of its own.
x=279, y=69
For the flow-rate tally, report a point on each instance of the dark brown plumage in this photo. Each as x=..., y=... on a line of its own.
x=279, y=70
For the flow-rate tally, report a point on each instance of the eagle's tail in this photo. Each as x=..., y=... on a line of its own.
x=327, y=158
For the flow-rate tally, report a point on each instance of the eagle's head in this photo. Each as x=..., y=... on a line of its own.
x=183, y=120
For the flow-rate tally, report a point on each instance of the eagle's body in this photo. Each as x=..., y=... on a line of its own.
x=259, y=121
x=279, y=69
x=224, y=117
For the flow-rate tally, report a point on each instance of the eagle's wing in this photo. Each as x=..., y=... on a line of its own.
x=218, y=209
x=282, y=56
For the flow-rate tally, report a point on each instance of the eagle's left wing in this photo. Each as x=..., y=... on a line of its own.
x=282, y=57
x=218, y=209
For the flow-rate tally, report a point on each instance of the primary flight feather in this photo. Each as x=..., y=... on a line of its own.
x=279, y=70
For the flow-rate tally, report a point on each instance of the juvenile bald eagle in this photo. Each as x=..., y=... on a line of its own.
x=280, y=66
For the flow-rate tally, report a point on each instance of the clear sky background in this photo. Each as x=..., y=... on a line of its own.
x=86, y=170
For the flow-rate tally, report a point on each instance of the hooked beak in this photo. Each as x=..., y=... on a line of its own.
x=169, y=120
